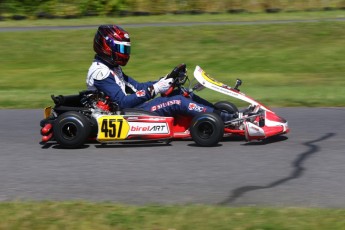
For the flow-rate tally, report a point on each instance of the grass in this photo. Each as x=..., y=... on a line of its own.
x=299, y=15
x=297, y=64
x=86, y=215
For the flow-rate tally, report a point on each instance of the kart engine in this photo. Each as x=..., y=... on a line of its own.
x=99, y=103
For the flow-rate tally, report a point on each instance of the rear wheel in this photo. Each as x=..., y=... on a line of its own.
x=71, y=129
x=207, y=129
x=226, y=106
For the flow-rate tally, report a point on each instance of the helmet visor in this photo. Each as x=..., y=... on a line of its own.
x=124, y=49
x=119, y=47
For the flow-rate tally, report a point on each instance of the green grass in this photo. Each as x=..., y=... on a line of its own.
x=177, y=18
x=297, y=64
x=86, y=215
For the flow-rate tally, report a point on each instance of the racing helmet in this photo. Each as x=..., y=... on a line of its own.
x=112, y=44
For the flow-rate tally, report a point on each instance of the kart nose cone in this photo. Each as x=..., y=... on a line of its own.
x=273, y=126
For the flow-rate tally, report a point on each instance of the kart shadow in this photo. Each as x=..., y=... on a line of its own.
x=224, y=139
x=104, y=146
x=195, y=145
x=270, y=140
x=46, y=145
x=233, y=139
x=108, y=145
x=132, y=145
x=267, y=141
x=149, y=144
x=57, y=146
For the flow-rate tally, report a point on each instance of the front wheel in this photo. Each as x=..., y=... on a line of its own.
x=71, y=129
x=207, y=129
x=226, y=106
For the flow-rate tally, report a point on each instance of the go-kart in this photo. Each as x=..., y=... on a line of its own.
x=90, y=115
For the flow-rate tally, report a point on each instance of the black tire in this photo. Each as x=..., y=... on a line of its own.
x=71, y=129
x=207, y=129
x=226, y=106
x=93, y=127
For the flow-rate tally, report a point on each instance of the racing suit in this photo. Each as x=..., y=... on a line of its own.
x=128, y=93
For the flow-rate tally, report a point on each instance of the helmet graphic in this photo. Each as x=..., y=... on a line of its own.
x=112, y=44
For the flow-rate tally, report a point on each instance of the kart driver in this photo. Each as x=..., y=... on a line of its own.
x=112, y=46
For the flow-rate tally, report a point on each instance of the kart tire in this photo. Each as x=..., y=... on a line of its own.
x=71, y=129
x=226, y=106
x=207, y=129
x=93, y=128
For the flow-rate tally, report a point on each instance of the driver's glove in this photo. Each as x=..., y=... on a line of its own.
x=162, y=85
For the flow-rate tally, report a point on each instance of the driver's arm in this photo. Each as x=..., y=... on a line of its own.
x=115, y=93
x=154, y=88
x=137, y=85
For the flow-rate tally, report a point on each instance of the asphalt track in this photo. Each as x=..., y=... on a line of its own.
x=305, y=168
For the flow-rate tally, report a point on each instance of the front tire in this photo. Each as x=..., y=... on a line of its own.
x=71, y=129
x=207, y=129
x=226, y=106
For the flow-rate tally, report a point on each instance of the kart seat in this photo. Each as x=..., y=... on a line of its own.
x=70, y=100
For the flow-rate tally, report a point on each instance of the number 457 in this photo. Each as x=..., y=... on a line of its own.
x=112, y=128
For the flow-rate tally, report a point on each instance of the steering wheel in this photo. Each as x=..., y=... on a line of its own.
x=178, y=74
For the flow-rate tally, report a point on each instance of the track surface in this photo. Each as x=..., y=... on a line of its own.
x=305, y=169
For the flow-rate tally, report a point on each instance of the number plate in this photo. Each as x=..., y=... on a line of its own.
x=112, y=128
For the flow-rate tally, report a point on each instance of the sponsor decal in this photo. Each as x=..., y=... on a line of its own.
x=226, y=87
x=195, y=107
x=126, y=36
x=166, y=104
x=148, y=128
x=140, y=93
x=210, y=79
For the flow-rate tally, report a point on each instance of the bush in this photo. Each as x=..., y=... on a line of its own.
x=74, y=8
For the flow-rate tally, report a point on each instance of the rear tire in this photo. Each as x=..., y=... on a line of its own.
x=71, y=129
x=226, y=106
x=207, y=129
